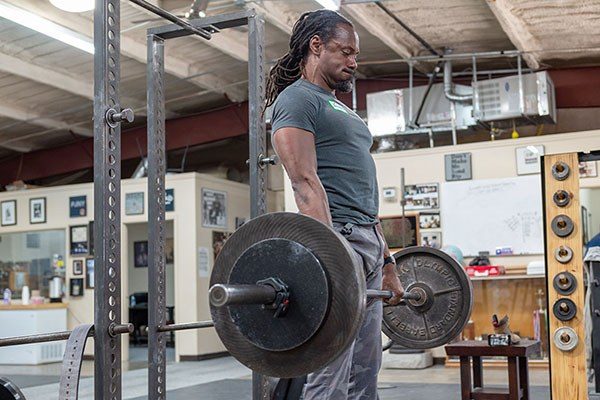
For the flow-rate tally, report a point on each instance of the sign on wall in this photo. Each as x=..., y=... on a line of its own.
x=77, y=206
x=214, y=209
x=170, y=200
x=458, y=167
x=528, y=159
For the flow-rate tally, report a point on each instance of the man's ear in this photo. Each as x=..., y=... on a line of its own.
x=315, y=45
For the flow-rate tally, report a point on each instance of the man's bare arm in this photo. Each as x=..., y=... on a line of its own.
x=390, y=278
x=296, y=150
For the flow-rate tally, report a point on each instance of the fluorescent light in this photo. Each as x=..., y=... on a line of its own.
x=330, y=4
x=46, y=27
x=75, y=6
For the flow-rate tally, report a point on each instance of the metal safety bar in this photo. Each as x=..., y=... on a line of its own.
x=58, y=336
x=186, y=326
x=173, y=18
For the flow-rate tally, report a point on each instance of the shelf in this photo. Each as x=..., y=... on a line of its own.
x=507, y=276
x=497, y=363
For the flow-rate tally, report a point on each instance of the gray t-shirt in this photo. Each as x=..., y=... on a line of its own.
x=342, y=139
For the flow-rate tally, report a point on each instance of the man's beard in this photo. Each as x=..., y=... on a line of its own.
x=343, y=86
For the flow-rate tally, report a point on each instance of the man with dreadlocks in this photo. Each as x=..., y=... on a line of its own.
x=324, y=147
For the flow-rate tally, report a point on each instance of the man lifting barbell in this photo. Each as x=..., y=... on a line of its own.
x=295, y=294
x=324, y=147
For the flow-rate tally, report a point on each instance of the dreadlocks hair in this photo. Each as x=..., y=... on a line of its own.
x=288, y=68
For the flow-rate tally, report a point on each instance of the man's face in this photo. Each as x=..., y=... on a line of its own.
x=337, y=62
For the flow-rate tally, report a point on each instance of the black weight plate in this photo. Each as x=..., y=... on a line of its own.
x=565, y=283
x=9, y=391
x=564, y=309
x=347, y=295
x=562, y=225
x=560, y=171
x=309, y=294
x=447, y=314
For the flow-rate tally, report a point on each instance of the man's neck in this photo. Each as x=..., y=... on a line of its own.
x=316, y=79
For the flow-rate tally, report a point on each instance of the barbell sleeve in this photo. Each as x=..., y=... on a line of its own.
x=221, y=295
x=225, y=295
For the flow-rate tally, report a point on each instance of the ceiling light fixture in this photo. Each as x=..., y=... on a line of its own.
x=46, y=27
x=330, y=4
x=75, y=6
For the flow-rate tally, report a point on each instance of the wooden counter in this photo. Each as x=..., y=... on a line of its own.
x=45, y=306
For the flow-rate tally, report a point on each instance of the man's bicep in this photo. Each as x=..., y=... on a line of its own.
x=296, y=150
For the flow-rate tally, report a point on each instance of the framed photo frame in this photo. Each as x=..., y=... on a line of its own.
x=89, y=273
x=134, y=203
x=79, y=239
x=77, y=267
x=588, y=169
x=429, y=221
x=77, y=206
x=431, y=239
x=422, y=196
x=140, y=254
x=76, y=287
x=9, y=213
x=214, y=208
x=37, y=210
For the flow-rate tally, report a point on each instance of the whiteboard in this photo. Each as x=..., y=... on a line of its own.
x=483, y=215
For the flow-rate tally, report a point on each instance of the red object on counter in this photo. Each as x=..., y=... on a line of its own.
x=484, y=270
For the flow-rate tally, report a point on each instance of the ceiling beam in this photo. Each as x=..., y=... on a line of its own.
x=12, y=111
x=516, y=30
x=276, y=14
x=131, y=48
x=16, y=147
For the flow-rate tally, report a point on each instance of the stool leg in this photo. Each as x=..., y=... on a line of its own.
x=513, y=379
x=465, y=378
x=524, y=377
x=477, y=372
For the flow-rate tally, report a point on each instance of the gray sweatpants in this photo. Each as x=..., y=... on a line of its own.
x=353, y=375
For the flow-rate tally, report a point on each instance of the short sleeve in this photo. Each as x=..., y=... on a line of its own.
x=295, y=108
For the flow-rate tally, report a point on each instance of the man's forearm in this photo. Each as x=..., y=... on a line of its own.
x=311, y=199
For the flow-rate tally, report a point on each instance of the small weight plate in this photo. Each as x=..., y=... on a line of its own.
x=565, y=283
x=309, y=298
x=564, y=309
x=346, y=285
x=565, y=338
x=449, y=301
x=561, y=198
x=560, y=171
x=563, y=254
x=562, y=225
x=10, y=391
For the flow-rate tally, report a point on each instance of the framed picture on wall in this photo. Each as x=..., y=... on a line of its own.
x=431, y=239
x=77, y=206
x=134, y=203
x=89, y=273
x=429, y=221
x=423, y=196
x=37, y=210
x=587, y=169
x=140, y=254
x=528, y=159
x=214, y=209
x=79, y=239
x=9, y=213
x=77, y=267
x=401, y=231
x=76, y=287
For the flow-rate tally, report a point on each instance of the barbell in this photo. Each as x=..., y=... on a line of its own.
x=288, y=296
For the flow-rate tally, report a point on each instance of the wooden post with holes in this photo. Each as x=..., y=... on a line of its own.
x=567, y=367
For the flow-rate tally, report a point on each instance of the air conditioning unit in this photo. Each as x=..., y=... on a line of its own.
x=499, y=100
x=389, y=112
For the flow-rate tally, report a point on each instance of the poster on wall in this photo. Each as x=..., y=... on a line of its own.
x=429, y=220
x=77, y=206
x=134, y=203
x=79, y=239
x=169, y=200
x=77, y=267
x=218, y=241
x=214, y=209
x=422, y=196
x=587, y=169
x=140, y=254
x=458, y=166
x=37, y=210
x=76, y=287
x=400, y=231
x=431, y=239
x=9, y=213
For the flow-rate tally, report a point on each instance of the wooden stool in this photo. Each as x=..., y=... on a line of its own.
x=518, y=378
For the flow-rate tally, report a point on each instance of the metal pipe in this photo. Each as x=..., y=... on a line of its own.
x=118, y=329
x=436, y=70
x=171, y=17
x=185, y=326
x=463, y=56
x=448, y=86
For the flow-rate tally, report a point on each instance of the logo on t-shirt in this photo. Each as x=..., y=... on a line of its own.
x=337, y=106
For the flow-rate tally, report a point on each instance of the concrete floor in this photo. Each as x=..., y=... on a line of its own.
x=41, y=382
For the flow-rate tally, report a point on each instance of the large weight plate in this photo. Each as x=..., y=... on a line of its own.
x=346, y=285
x=9, y=391
x=446, y=316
